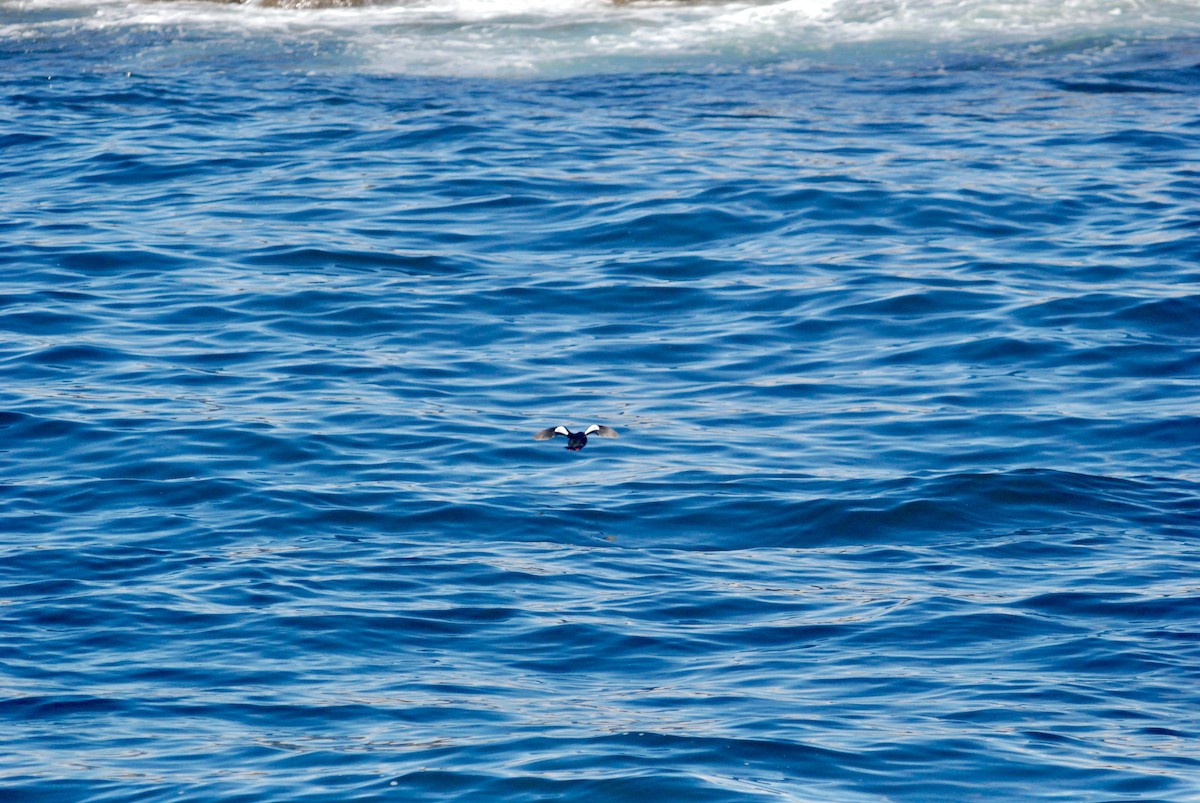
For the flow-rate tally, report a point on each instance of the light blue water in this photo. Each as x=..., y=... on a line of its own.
x=897, y=312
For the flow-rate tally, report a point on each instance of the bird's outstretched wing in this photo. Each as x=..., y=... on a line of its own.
x=545, y=435
x=605, y=432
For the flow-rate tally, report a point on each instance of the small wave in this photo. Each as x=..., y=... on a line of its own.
x=536, y=38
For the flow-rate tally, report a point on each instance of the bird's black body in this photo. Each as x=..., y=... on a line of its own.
x=575, y=440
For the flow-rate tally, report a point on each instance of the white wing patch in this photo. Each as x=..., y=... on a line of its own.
x=595, y=429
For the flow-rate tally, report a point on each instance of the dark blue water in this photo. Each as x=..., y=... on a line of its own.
x=902, y=341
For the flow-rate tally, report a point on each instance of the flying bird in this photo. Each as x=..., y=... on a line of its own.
x=576, y=440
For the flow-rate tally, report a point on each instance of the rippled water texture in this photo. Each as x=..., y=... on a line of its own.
x=898, y=319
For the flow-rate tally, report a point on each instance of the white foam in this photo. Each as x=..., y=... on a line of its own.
x=553, y=37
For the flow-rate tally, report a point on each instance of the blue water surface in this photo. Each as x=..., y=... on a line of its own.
x=902, y=342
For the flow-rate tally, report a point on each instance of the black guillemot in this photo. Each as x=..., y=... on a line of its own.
x=575, y=440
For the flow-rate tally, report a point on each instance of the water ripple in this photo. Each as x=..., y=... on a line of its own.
x=900, y=348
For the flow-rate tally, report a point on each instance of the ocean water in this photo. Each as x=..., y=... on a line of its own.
x=895, y=306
